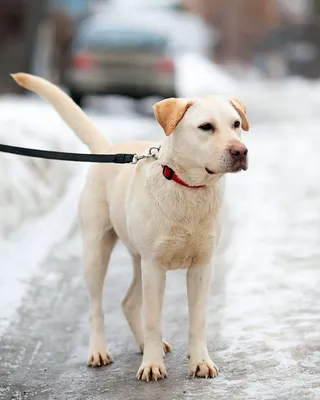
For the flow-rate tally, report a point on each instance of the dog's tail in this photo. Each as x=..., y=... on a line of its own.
x=75, y=118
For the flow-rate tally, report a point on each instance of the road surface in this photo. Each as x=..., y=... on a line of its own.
x=264, y=311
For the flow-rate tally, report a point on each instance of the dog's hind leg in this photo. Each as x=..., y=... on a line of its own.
x=99, y=240
x=132, y=303
x=132, y=306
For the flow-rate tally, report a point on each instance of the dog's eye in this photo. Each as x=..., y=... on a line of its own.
x=206, y=127
x=236, y=124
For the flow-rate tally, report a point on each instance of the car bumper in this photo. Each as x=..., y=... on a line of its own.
x=115, y=82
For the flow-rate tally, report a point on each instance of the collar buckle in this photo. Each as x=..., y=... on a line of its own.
x=167, y=172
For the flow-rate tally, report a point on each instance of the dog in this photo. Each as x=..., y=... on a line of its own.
x=165, y=209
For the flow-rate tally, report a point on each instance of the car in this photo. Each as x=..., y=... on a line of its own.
x=131, y=50
x=292, y=51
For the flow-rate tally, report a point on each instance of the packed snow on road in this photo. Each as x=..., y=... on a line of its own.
x=264, y=311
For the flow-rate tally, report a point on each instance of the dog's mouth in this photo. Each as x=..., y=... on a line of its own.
x=209, y=171
x=240, y=166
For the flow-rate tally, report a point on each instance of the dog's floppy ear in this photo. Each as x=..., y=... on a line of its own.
x=241, y=108
x=169, y=113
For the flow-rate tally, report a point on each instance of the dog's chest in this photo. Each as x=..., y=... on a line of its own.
x=182, y=247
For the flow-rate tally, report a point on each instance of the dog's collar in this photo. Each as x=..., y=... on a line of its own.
x=169, y=174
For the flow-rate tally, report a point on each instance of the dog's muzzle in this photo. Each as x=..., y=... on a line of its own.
x=239, y=156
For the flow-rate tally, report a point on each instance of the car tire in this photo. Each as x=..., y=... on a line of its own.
x=77, y=97
x=168, y=95
x=143, y=104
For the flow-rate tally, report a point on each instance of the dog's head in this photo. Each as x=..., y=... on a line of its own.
x=204, y=134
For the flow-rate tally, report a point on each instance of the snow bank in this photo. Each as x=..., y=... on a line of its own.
x=291, y=98
x=197, y=76
x=266, y=100
x=29, y=186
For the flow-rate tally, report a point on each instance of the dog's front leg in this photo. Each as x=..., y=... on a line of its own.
x=198, y=284
x=153, y=283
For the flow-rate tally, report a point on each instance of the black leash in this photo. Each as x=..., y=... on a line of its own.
x=59, y=155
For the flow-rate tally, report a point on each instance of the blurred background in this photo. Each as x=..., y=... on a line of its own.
x=116, y=58
x=133, y=47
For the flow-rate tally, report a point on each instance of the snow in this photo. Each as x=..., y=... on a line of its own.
x=275, y=245
x=197, y=76
x=26, y=181
x=267, y=304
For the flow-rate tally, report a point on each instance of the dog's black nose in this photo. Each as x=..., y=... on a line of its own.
x=238, y=150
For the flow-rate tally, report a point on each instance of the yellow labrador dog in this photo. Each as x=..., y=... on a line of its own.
x=164, y=209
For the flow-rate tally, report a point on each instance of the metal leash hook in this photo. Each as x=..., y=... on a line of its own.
x=153, y=151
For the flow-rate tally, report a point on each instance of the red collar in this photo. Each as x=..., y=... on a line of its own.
x=169, y=174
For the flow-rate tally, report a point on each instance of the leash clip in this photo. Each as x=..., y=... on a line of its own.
x=153, y=151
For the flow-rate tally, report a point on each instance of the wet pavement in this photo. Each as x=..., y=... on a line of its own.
x=264, y=309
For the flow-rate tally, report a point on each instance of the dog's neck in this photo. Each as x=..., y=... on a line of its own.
x=187, y=204
x=185, y=168
x=169, y=174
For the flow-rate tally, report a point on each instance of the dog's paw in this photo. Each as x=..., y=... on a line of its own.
x=204, y=368
x=151, y=371
x=99, y=358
